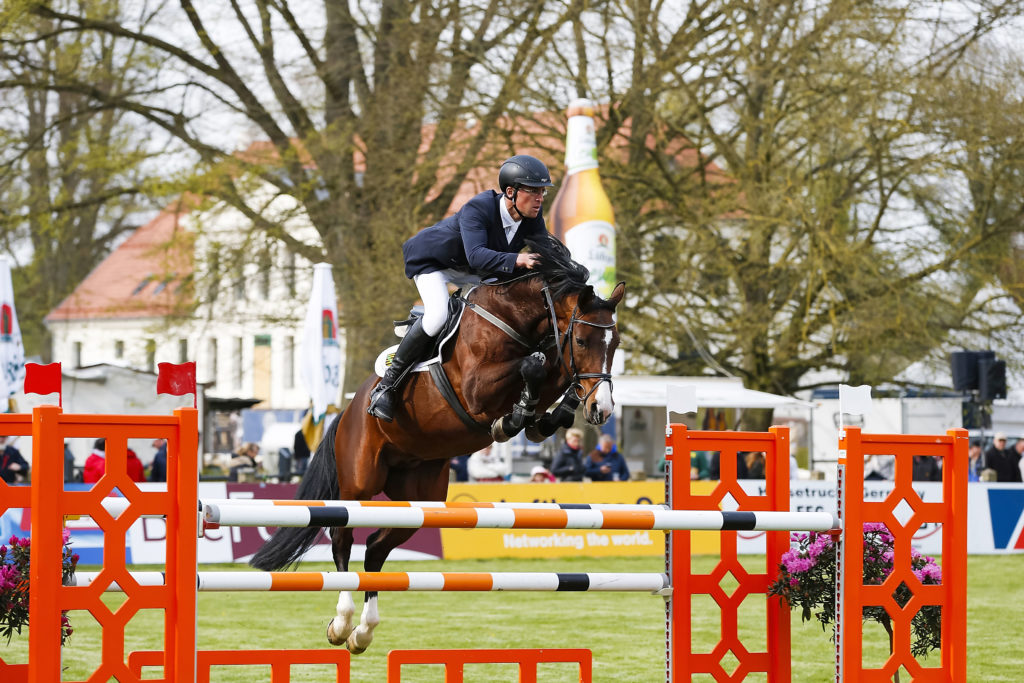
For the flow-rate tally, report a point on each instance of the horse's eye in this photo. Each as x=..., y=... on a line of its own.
x=580, y=343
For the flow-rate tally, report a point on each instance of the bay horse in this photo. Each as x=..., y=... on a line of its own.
x=520, y=345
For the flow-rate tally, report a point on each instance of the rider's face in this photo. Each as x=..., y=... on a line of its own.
x=529, y=200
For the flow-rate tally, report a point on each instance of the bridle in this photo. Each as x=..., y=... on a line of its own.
x=571, y=368
x=557, y=338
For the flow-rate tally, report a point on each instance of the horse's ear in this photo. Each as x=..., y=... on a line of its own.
x=617, y=293
x=586, y=298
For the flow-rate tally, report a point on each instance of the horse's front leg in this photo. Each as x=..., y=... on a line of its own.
x=562, y=416
x=532, y=370
x=341, y=626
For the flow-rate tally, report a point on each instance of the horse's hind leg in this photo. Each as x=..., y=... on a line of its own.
x=340, y=627
x=429, y=481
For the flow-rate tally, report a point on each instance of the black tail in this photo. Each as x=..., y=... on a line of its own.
x=320, y=482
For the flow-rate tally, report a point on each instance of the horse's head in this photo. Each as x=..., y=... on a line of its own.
x=591, y=338
x=585, y=333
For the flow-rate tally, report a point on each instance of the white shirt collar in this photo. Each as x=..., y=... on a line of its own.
x=507, y=222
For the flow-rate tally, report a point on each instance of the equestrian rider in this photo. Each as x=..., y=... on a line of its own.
x=483, y=238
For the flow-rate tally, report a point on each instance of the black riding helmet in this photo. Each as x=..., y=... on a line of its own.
x=522, y=170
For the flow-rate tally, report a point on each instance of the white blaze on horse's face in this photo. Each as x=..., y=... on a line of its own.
x=603, y=397
x=601, y=343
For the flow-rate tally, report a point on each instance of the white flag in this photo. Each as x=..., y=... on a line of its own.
x=855, y=400
x=12, y=352
x=680, y=398
x=321, y=354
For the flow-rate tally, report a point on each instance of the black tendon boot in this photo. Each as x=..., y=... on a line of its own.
x=410, y=351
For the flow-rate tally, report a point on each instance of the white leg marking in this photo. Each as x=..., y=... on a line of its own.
x=341, y=626
x=360, y=639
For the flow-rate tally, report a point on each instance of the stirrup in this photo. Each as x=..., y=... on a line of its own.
x=377, y=396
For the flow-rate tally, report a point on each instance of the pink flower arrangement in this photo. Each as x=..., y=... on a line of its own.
x=806, y=581
x=14, y=582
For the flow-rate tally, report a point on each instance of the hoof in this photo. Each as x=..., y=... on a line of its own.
x=353, y=647
x=332, y=638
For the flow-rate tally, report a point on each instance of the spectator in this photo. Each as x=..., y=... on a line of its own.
x=96, y=463
x=158, y=468
x=926, y=468
x=459, y=466
x=300, y=453
x=995, y=451
x=69, y=463
x=974, y=461
x=244, y=461
x=485, y=465
x=540, y=475
x=13, y=467
x=136, y=472
x=754, y=461
x=568, y=465
x=700, y=466
x=605, y=463
x=879, y=467
x=1005, y=462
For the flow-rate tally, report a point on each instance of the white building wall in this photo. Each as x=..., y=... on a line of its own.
x=231, y=321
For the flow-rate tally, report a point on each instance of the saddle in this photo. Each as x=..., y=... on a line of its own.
x=456, y=307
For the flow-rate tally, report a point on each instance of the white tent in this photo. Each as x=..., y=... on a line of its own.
x=712, y=392
x=640, y=409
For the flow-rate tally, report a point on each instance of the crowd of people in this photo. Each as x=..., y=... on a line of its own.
x=15, y=469
x=997, y=463
x=603, y=463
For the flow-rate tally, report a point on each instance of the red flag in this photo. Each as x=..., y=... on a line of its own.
x=42, y=379
x=176, y=379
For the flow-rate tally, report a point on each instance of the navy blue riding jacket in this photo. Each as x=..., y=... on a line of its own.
x=472, y=240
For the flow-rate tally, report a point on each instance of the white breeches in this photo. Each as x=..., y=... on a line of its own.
x=433, y=289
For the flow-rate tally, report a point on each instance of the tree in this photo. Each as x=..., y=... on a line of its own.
x=72, y=174
x=773, y=165
x=369, y=114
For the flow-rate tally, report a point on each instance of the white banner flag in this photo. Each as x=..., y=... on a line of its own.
x=855, y=400
x=680, y=398
x=12, y=352
x=321, y=353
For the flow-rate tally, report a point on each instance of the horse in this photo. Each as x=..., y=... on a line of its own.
x=520, y=345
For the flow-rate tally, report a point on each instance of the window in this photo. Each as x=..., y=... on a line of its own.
x=76, y=354
x=289, y=270
x=151, y=355
x=142, y=285
x=182, y=350
x=288, y=374
x=237, y=362
x=211, y=352
x=238, y=285
x=168, y=279
x=118, y=349
x=263, y=277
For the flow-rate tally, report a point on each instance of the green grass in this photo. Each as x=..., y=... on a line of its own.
x=624, y=630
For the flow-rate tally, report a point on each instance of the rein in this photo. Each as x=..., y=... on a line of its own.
x=558, y=339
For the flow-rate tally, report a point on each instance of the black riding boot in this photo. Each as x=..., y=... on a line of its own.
x=410, y=351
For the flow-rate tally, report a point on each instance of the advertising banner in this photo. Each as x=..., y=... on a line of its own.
x=485, y=543
x=995, y=517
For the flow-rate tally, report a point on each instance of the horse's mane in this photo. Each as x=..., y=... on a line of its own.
x=556, y=267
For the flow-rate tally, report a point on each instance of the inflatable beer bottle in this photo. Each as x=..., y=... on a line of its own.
x=581, y=215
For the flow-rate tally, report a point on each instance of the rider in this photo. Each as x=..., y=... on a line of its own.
x=483, y=238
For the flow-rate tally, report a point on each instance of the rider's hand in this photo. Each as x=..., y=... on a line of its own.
x=527, y=260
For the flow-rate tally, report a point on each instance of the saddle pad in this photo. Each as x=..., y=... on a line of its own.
x=455, y=310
